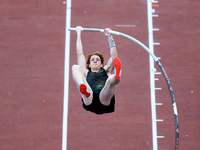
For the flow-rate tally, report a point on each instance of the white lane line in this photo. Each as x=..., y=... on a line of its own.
x=66, y=75
x=152, y=76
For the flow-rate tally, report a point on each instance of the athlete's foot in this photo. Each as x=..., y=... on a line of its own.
x=83, y=89
x=117, y=68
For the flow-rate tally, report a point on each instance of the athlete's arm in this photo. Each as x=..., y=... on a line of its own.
x=79, y=50
x=113, y=51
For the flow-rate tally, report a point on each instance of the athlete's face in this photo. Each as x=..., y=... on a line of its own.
x=95, y=62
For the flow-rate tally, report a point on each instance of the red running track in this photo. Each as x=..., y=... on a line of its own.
x=32, y=75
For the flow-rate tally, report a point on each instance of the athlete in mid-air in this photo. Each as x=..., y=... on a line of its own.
x=95, y=82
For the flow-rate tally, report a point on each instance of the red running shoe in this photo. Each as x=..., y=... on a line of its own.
x=83, y=89
x=117, y=68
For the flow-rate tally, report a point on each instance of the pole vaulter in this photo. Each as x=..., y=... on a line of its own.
x=161, y=68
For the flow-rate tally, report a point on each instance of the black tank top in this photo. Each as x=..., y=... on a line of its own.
x=97, y=80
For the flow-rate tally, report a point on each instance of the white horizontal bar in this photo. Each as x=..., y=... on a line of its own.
x=154, y=15
x=159, y=119
x=156, y=43
x=158, y=88
x=119, y=25
x=157, y=73
x=159, y=104
x=159, y=57
x=160, y=137
x=155, y=29
x=156, y=79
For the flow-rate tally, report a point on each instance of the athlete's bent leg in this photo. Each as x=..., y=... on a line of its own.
x=82, y=85
x=108, y=90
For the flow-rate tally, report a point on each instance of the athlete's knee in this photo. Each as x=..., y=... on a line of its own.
x=106, y=103
x=112, y=81
x=75, y=68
